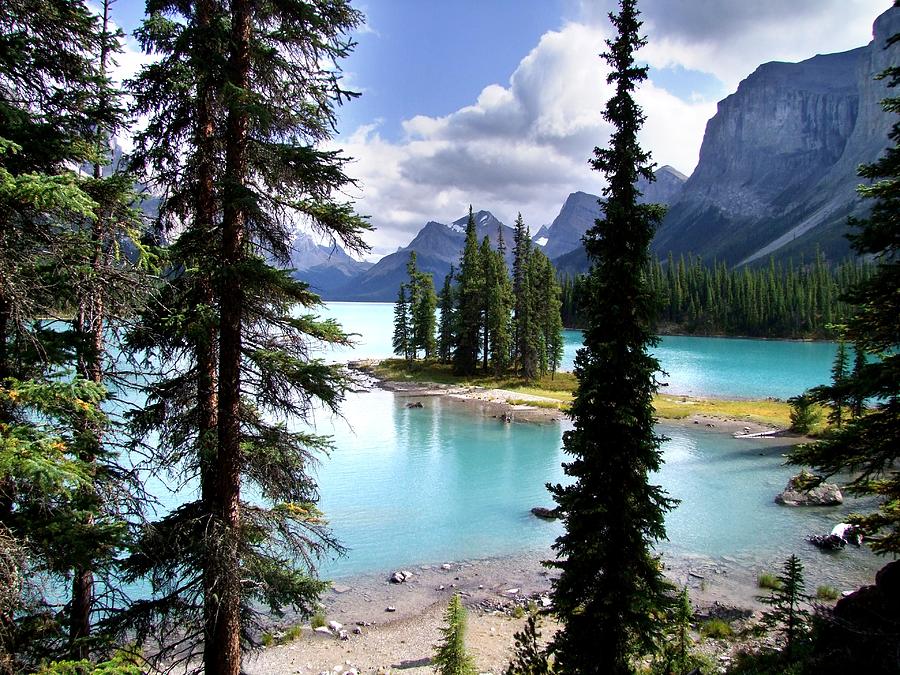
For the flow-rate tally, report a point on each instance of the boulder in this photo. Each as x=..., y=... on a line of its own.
x=827, y=542
x=545, y=513
x=401, y=576
x=806, y=489
x=417, y=404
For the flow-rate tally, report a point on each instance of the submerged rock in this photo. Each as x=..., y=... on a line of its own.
x=827, y=542
x=806, y=489
x=545, y=513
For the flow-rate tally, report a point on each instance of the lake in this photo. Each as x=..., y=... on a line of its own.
x=409, y=486
x=730, y=368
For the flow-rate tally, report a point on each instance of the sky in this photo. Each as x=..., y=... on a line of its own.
x=498, y=103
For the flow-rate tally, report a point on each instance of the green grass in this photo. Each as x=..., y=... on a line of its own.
x=560, y=387
x=826, y=592
x=768, y=580
x=716, y=629
x=317, y=620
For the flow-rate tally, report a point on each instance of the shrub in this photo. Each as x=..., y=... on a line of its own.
x=768, y=580
x=317, y=620
x=827, y=593
x=717, y=629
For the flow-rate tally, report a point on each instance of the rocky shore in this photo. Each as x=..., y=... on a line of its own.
x=389, y=622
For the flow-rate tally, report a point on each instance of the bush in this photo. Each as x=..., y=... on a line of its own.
x=768, y=580
x=827, y=593
x=317, y=620
x=717, y=629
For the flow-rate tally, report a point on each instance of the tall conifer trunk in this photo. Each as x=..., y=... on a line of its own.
x=224, y=652
x=205, y=349
x=91, y=322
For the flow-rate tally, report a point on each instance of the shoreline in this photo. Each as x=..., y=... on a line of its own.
x=377, y=640
x=380, y=641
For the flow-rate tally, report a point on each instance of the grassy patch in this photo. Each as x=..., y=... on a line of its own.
x=717, y=629
x=317, y=620
x=561, y=386
x=827, y=593
x=768, y=580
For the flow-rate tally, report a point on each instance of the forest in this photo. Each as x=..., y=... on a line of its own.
x=778, y=300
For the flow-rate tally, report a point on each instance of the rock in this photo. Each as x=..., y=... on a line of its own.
x=827, y=542
x=343, y=635
x=390, y=608
x=397, y=578
x=545, y=513
x=339, y=588
x=325, y=630
x=417, y=404
x=511, y=591
x=357, y=630
x=806, y=489
x=848, y=533
x=446, y=566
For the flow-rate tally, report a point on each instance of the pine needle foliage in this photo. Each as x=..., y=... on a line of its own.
x=611, y=597
x=450, y=657
x=787, y=614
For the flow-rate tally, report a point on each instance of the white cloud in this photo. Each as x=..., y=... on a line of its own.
x=520, y=147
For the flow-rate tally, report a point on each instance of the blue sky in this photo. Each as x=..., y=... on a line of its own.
x=497, y=103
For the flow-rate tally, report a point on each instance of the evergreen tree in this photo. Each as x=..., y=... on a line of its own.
x=422, y=305
x=868, y=446
x=469, y=284
x=450, y=656
x=857, y=401
x=401, y=339
x=836, y=392
x=61, y=489
x=787, y=614
x=497, y=297
x=521, y=249
x=611, y=595
x=529, y=657
x=239, y=101
x=446, y=301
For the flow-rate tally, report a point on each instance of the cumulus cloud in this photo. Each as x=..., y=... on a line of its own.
x=522, y=147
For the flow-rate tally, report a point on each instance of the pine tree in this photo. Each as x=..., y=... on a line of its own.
x=446, y=301
x=422, y=305
x=450, y=656
x=469, y=284
x=529, y=657
x=836, y=392
x=611, y=595
x=215, y=561
x=61, y=489
x=521, y=249
x=401, y=339
x=787, y=614
x=868, y=446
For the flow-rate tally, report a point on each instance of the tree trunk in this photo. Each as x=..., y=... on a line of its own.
x=205, y=349
x=224, y=652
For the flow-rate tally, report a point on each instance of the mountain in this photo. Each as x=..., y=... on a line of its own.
x=777, y=167
x=437, y=247
x=581, y=209
x=324, y=268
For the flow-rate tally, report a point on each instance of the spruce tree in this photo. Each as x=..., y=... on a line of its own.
x=400, y=341
x=521, y=248
x=787, y=615
x=61, y=488
x=244, y=95
x=469, y=284
x=611, y=595
x=867, y=447
x=446, y=302
x=450, y=656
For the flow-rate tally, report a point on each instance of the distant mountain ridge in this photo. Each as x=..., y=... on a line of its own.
x=777, y=169
x=324, y=268
x=437, y=247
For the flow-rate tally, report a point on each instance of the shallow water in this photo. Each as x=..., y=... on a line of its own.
x=409, y=486
x=694, y=366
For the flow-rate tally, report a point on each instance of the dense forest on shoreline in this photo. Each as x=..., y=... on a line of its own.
x=802, y=300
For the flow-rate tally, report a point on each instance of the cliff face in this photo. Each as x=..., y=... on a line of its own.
x=777, y=169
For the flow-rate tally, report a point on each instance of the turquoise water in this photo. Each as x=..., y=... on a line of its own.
x=693, y=366
x=408, y=486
